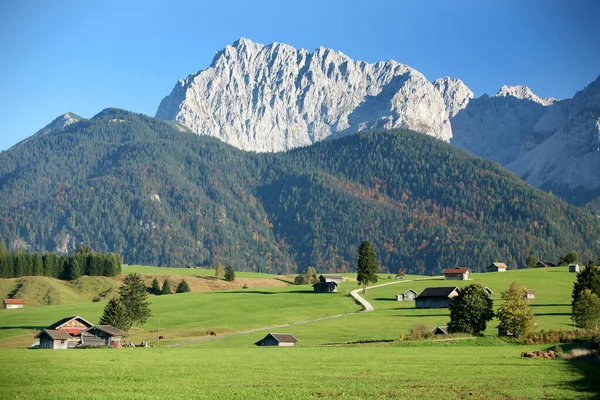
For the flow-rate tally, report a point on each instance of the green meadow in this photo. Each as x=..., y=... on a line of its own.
x=326, y=363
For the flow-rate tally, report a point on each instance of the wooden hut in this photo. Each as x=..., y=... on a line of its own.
x=325, y=287
x=457, y=274
x=331, y=278
x=529, y=294
x=436, y=297
x=102, y=335
x=502, y=331
x=409, y=295
x=277, y=339
x=573, y=267
x=544, y=264
x=54, y=339
x=13, y=303
x=440, y=330
x=496, y=267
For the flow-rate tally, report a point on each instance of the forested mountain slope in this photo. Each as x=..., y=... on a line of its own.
x=123, y=182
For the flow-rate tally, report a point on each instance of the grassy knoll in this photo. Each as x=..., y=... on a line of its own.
x=443, y=372
x=204, y=272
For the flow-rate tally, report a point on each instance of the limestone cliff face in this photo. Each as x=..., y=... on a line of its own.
x=276, y=97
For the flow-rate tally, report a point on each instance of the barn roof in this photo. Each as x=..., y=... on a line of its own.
x=280, y=337
x=109, y=329
x=325, y=284
x=460, y=270
x=409, y=290
x=59, y=324
x=438, y=291
x=14, y=301
x=440, y=330
x=529, y=291
x=497, y=264
x=54, y=334
x=332, y=277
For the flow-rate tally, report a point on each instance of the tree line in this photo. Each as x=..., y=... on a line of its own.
x=67, y=267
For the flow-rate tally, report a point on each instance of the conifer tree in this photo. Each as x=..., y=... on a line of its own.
x=229, y=273
x=115, y=314
x=586, y=310
x=183, y=287
x=166, y=287
x=155, y=287
x=134, y=297
x=366, y=270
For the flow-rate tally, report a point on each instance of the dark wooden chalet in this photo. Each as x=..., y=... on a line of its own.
x=331, y=278
x=436, y=297
x=409, y=295
x=496, y=267
x=544, y=264
x=502, y=331
x=325, y=287
x=457, y=274
x=54, y=339
x=440, y=330
x=102, y=335
x=277, y=339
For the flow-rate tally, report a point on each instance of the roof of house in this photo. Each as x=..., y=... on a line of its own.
x=529, y=291
x=440, y=330
x=437, y=291
x=109, y=329
x=280, y=337
x=333, y=277
x=496, y=264
x=59, y=324
x=459, y=270
x=14, y=301
x=54, y=334
x=409, y=290
x=546, y=264
x=325, y=284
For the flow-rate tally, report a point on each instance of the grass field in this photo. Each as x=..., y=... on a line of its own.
x=469, y=370
x=320, y=366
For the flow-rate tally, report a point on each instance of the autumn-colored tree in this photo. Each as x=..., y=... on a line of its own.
x=219, y=271
x=515, y=313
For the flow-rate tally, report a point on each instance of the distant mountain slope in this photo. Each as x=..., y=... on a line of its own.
x=276, y=97
x=128, y=183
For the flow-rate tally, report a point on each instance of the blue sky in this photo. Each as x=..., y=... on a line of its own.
x=84, y=56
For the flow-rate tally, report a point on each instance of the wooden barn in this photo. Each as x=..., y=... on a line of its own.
x=54, y=339
x=409, y=295
x=496, y=267
x=277, y=339
x=502, y=331
x=325, y=287
x=436, y=297
x=544, y=264
x=573, y=267
x=102, y=335
x=529, y=294
x=13, y=303
x=72, y=325
x=457, y=274
x=331, y=278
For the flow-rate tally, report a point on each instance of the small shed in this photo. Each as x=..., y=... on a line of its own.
x=544, y=264
x=54, y=339
x=457, y=274
x=102, y=335
x=529, y=294
x=440, y=330
x=496, y=267
x=502, y=331
x=72, y=325
x=325, y=287
x=409, y=295
x=489, y=291
x=13, y=303
x=436, y=297
x=277, y=339
x=331, y=278
x=573, y=267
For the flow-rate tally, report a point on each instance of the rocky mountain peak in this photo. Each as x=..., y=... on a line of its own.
x=455, y=93
x=277, y=97
x=523, y=93
x=59, y=123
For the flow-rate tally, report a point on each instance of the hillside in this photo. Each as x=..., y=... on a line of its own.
x=126, y=183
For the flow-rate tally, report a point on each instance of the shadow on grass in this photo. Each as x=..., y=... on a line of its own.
x=421, y=315
x=590, y=371
x=384, y=299
x=3, y=328
x=549, y=305
x=262, y=292
x=552, y=313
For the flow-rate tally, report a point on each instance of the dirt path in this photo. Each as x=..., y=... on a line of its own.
x=367, y=308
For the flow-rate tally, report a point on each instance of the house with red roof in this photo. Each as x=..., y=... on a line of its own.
x=13, y=303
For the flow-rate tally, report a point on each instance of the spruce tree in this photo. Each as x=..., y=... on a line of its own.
x=155, y=287
x=134, y=298
x=586, y=310
x=183, y=287
x=366, y=270
x=166, y=287
x=115, y=314
x=229, y=273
